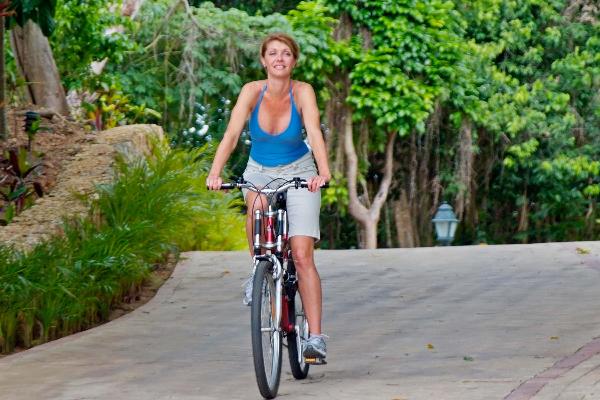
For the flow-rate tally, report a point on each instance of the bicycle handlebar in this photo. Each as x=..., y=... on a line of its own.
x=296, y=183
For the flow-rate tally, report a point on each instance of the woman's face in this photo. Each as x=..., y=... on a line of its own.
x=278, y=59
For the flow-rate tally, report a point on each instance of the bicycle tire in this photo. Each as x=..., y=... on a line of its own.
x=266, y=346
x=294, y=339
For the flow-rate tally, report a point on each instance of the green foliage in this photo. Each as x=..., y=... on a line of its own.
x=260, y=7
x=202, y=59
x=81, y=37
x=219, y=225
x=525, y=74
x=19, y=185
x=40, y=12
x=337, y=194
x=312, y=27
x=70, y=282
x=112, y=107
x=209, y=122
x=538, y=90
x=411, y=51
x=197, y=58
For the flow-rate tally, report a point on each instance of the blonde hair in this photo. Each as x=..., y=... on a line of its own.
x=284, y=38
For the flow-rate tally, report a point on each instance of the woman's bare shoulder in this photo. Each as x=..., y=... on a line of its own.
x=250, y=92
x=254, y=86
x=303, y=91
x=300, y=86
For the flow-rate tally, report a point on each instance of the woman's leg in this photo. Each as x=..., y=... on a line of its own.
x=309, y=282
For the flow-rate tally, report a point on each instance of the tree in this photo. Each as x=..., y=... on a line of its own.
x=90, y=32
x=31, y=23
x=537, y=125
x=409, y=50
x=3, y=15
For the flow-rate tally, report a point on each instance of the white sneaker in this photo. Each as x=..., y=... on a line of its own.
x=247, y=285
x=315, y=347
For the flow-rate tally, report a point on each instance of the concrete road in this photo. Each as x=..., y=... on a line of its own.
x=489, y=322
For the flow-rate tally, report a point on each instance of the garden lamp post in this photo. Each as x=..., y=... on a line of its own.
x=445, y=224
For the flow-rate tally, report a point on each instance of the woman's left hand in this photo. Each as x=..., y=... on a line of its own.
x=316, y=182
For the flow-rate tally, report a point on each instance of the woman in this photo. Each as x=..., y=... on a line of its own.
x=277, y=107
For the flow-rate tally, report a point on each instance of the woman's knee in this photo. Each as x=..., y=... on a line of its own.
x=303, y=258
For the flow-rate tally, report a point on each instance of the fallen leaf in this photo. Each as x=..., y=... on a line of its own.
x=225, y=272
x=581, y=250
x=468, y=358
x=430, y=346
x=553, y=337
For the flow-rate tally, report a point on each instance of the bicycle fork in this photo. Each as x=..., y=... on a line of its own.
x=276, y=233
x=277, y=304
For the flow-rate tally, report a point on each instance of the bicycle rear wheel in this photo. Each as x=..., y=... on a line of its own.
x=266, y=335
x=294, y=339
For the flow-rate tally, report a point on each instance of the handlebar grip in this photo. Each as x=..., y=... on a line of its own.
x=305, y=185
x=228, y=186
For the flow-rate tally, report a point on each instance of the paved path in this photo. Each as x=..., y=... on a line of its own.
x=458, y=323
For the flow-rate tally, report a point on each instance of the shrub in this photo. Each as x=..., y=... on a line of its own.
x=154, y=206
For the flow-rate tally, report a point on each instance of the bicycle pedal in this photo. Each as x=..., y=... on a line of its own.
x=314, y=361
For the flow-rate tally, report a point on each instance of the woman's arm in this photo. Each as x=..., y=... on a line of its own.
x=239, y=114
x=312, y=124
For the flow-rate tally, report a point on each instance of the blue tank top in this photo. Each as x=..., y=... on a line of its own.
x=279, y=148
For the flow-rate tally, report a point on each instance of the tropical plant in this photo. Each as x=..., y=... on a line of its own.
x=18, y=182
x=111, y=107
x=155, y=207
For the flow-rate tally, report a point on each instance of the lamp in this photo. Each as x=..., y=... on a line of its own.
x=445, y=224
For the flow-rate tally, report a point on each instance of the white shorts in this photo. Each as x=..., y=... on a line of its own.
x=303, y=206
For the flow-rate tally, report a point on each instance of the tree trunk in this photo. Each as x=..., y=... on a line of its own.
x=485, y=161
x=366, y=217
x=335, y=111
x=405, y=230
x=335, y=107
x=464, y=169
x=388, y=225
x=417, y=183
x=370, y=235
x=36, y=63
x=3, y=125
x=524, y=216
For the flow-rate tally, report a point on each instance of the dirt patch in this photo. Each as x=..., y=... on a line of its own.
x=86, y=161
x=56, y=142
x=159, y=275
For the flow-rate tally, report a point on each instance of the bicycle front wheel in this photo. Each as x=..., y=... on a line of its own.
x=266, y=335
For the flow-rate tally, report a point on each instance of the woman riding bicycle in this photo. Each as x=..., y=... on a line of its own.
x=277, y=108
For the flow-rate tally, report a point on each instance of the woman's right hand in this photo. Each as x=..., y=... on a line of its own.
x=213, y=182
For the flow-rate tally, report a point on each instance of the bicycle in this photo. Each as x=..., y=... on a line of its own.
x=276, y=310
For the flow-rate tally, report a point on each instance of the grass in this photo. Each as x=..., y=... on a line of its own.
x=154, y=207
